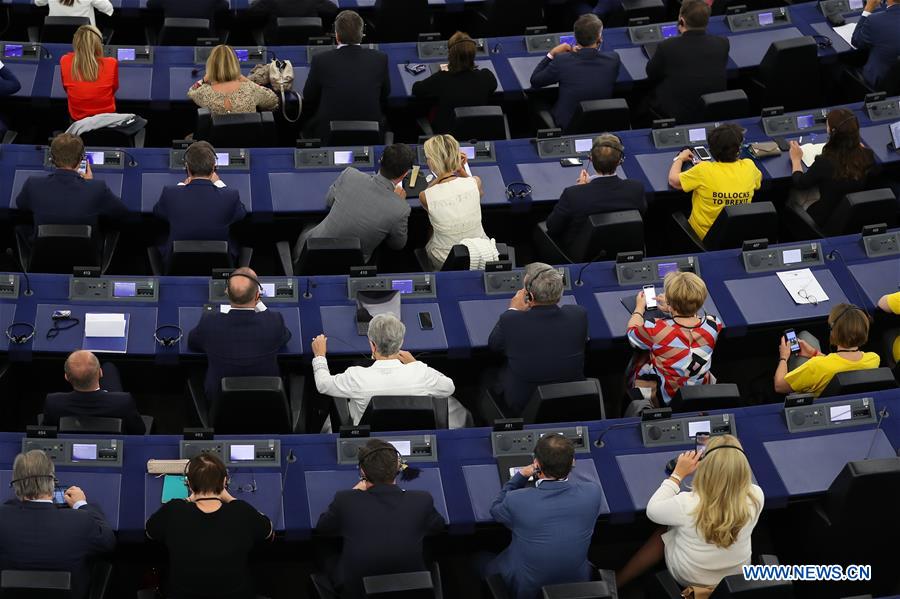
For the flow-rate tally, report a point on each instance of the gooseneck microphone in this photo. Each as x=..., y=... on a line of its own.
x=28, y=291
x=881, y=416
x=599, y=441
x=578, y=281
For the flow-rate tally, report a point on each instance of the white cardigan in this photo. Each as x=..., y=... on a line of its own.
x=79, y=8
x=689, y=558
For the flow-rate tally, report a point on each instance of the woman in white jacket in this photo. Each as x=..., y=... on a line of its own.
x=77, y=8
x=709, y=528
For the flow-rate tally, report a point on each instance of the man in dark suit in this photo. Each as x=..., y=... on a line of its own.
x=582, y=72
x=245, y=340
x=543, y=342
x=89, y=398
x=36, y=535
x=194, y=9
x=604, y=193
x=878, y=33
x=273, y=9
x=688, y=66
x=201, y=208
x=552, y=522
x=350, y=83
x=382, y=525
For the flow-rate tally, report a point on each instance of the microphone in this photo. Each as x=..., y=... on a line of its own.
x=578, y=281
x=132, y=162
x=289, y=459
x=881, y=416
x=45, y=53
x=28, y=291
x=599, y=441
x=308, y=294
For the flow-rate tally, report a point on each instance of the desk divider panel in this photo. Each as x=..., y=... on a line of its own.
x=877, y=278
x=25, y=73
x=877, y=137
x=748, y=49
x=141, y=326
x=339, y=324
x=764, y=300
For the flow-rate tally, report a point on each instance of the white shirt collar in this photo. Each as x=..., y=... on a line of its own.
x=538, y=482
x=339, y=46
x=40, y=500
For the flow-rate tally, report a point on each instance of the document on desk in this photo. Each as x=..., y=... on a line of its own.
x=810, y=153
x=802, y=286
x=106, y=333
x=846, y=33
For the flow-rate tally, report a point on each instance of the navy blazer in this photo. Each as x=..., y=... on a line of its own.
x=552, y=525
x=240, y=343
x=199, y=211
x=587, y=74
x=97, y=404
x=9, y=83
x=383, y=530
x=41, y=536
x=65, y=198
x=599, y=195
x=542, y=345
x=879, y=34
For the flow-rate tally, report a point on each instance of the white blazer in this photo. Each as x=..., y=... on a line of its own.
x=79, y=8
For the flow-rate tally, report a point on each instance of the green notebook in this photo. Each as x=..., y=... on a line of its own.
x=174, y=488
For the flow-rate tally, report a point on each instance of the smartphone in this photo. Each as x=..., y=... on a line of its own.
x=82, y=168
x=59, y=496
x=791, y=337
x=569, y=162
x=700, y=441
x=425, y=322
x=650, y=295
x=702, y=153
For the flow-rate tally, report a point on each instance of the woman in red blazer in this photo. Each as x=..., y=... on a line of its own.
x=89, y=78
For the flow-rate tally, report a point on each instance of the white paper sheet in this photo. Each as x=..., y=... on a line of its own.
x=802, y=286
x=846, y=32
x=104, y=325
x=810, y=153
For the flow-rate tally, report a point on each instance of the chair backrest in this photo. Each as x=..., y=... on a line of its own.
x=457, y=259
x=108, y=137
x=578, y=590
x=59, y=248
x=61, y=29
x=35, y=584
x=239, y=130
x=354, y=133
x=856, y=210
x=198, y=258
x=399, y=20
x=863, y=487
x=723, y=106
x=479, y=123
x=890, y=83
x=692, y=398
x=183, y=32
x=511, y=17
x=251, y=405
x=860, y=381
x=408, y=585
x=329, y=256
x=405, y=413
x=609, y=232
x=296, y=31
x=565, y=402
x=735, y=587
x=596, y=116
x=655, y=10
x=91, y=424
x=790, y=72
x=736, y=224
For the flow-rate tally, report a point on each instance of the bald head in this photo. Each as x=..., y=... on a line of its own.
x=243, y=288
x=82, y=370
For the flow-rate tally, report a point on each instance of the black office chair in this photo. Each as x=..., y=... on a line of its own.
x=60, y=248
x=725, y=106
x=479, y=123
x=655, y=10
x=594, y=116
x=183, y=32
x=57, y=30
x=860, y=381
x=240, y=130
x=252, y=405
x=400, y=20
x=195, y=258
x=734, y=586
x=510, y=17
x=852, y=213
x=91, y=425
x=295, y=31
x=789, y=74
x=458, y=258
x=601, y=236
x=321, y=256
x=109, y=137
x=44, y=584
x=694, y=398
x=558, y=402
x=602, y=587
x=414, y=585
x=734, y=225
x=356, y=133
x=854, y=86
x=395, y=413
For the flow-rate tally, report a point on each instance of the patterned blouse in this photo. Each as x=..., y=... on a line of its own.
x=246, y=98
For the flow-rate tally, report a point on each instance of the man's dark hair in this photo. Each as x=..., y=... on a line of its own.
x=206, y=473
x=725, y=142
x=587, y=29
x=245, y=288
x=396, y=160
x=66, y=150
x=200, y=159
x=555, y=453
x=607, y=152
x=348, y=26
x=695, y=14
x=378, y=459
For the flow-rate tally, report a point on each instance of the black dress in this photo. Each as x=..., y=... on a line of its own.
x=831, y=190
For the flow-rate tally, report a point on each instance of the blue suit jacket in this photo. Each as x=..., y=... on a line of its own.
x=879, y=33
x=40, y=536
x=64, y=198
x=97, y=404
x=587, y=74
x=552, y=525
x=9, y=83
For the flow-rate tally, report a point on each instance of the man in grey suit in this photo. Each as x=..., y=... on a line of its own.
x=372, y=208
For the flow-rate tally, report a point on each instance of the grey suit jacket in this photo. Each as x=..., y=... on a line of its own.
x=363, y=206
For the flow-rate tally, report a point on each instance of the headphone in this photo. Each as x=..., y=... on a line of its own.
x=822, y=41
x=187, y=475
x=168, y=341
x=463, y=41
x=852, y=117
x=20, y=339
x=843, y=312
x=30, y=476
x=615, y=145
x=709, y=451
x=518, y=190
x=529, y=294
x=228, y=285
x=365, y=454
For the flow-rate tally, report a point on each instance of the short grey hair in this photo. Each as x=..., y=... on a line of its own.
x=386, y=332
x=544, y=282
x=33, y=475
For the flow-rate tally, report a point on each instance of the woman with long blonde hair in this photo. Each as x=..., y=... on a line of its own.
x=224, y=90
x=709, y=527
x=89, y=78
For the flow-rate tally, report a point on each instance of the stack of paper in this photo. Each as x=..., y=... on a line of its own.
x=846, y=32
x=802, y=286
x=810, y=153
x=106, y=332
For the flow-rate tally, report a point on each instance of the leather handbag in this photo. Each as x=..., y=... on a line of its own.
x=764, y=149
x=278, y=75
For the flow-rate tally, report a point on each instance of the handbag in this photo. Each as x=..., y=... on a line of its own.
x=279, y=76
x=764, y=149
x=697, y=592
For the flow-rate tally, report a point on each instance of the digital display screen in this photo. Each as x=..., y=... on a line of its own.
x=243, y=54
x=402, y=285
x=805, y=121
x=12, y=51
x=856, y=4
x=469, y=151
x=125, y=54
x=567, y=39
x=268, y=289
x=840, y=413
x=222, y=159
x=84, y=451
x=403, y=447
x=697, y=135
x=96, y=158
x=791, y=256
x=124, y=289
x=343, y=157
x=895, y=134
x=664, y=268
x=700, y=426
x=583, y=145
x=669, y=31
x=242, y=453
x=766, y=18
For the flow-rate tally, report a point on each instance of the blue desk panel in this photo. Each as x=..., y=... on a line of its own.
x=837, y=42
x=102, y=489
x=25, y=72
x=480, y=316
x=643, y=473
x=339, y=324
x=523, y=66
x=877, y=278
x=616, y=316
x=112, y=179
x=135, y=83
x=7, y=317
x=748, y=49
x=878, y=137
x=764, y=300
x=491, y=183
x=549, y=179
x=188, y=317
x=152, y=185
x=408, y=78
x=301, y=191
x=141, y=326
x=656, y=168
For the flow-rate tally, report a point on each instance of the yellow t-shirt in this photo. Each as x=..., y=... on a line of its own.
x=816, y=373
x=716, y=185
x=893, y=302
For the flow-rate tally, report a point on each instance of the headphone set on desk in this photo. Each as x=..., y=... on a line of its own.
x=518, y=190
x=822, y=41
x=168, y=340
x=24, y=337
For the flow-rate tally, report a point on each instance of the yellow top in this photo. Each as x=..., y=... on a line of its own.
x=817, y=372
x=893, y=302
x=716, y=185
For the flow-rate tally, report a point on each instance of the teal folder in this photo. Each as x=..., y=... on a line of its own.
x=174, y=488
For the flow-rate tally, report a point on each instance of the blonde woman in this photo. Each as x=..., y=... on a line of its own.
x=709, y=527
x=77, y=8
x=452, y=199
x=224, y=90
x=89, y=78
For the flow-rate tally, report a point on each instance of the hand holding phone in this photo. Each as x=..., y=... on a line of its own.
x=700, y=441
x=791, y=336
x=650, y=296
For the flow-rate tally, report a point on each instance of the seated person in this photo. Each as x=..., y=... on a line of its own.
x=677, y=349
x=209, y=536
x=36, y=535
x=706, y=530
x=90, y=79
x=582, y=72
x=89, y=398
x=727, y=181
x=77, y=8
x=371, y=208
x=273, y=9
x=461, y=84
x=394, y=372
x=382, y=526
x=542, y=341
x=843, y=167
x=243, y=341
x=891, y=304
x=606, y=192
x=223, y=90
x=877, y=33
x=201, y=208
x=810, y=371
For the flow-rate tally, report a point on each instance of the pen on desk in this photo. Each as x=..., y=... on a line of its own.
x=801, y=140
